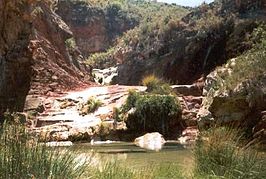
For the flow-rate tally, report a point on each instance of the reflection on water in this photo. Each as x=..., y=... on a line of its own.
x=130, y=155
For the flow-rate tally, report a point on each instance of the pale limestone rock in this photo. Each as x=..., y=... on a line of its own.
x=150, y=141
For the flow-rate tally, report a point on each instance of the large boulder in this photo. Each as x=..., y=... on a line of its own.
x=150, y=141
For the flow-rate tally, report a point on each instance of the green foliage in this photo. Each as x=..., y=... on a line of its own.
x=71, y=43
x=249, y=66
x=112, y=170
x=154, y=19
x=22, y=157
x=93, y=104
x=156, y=86
x=218, y=154
x=102, y=59
x=152, y=112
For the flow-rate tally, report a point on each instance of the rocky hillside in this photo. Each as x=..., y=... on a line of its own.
x=33, y=55
x=95, y=28
x=183, y=50
x=235, y=94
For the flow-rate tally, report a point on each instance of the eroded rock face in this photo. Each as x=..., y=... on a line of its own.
x=33, y=56
x=242, y=106
x=94, y=28
x=15, y=56
x=55, y=69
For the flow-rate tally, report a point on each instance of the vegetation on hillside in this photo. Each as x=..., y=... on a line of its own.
x=155, y=19
x=251, y=65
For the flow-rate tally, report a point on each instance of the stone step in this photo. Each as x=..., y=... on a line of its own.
x=187, y=90
x=43, y=122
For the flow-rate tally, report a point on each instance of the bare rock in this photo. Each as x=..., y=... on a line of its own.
x=150, y=141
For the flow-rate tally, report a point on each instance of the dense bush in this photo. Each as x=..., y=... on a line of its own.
x=151, y=112
x=22, y=157
x=102, y=60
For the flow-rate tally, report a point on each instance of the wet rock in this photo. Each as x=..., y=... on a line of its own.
x=150, y=141
x=67, y=103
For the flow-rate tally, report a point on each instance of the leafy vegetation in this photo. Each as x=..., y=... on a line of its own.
x=113, y=170
x=102, y=60
x=22, y=157
x=93, y=104
x=156, y=85
x=149, y=112
x=155, y=19
x=218, y=154
x=249, y=66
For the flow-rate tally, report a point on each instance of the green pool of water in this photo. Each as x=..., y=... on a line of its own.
x=134, y=157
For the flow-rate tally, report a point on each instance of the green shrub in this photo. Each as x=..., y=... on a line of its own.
x=93, y=104
x=102, y=59
x=71, y=43
x=151, y=112
x=218, y=154
x=22, y=157
x=156, y=85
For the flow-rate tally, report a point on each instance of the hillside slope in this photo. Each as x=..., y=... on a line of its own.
x=181, y=50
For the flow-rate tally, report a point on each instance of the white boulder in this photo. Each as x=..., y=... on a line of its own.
x=150, y=141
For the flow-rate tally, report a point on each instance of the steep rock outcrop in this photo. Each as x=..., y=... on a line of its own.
x=194, y=46
x=95, y=29
x=33, y=55
x=242, y=106
x=15, y=56
x=55, y=67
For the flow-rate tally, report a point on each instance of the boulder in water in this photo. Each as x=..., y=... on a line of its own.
x=150, y=141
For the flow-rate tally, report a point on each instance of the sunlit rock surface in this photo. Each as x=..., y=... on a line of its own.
x=150, y=141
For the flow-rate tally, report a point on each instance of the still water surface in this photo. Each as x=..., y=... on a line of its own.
x=134, y=157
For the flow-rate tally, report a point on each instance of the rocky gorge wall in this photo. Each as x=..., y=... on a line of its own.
x=94, y=28
x=33, y=56
x=15, y=56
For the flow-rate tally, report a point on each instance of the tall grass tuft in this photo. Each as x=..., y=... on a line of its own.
x=22, y=157
x=218, y=154
x=156, y=85
x=93, y=104
x=114, y=170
